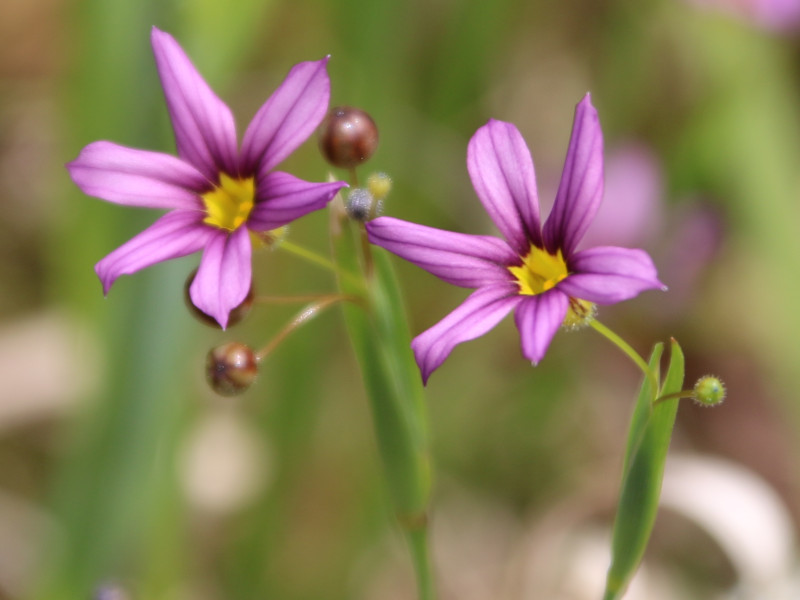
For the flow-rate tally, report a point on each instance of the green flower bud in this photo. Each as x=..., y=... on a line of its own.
x=709, y=391
x=348, y=137
x=231, y=368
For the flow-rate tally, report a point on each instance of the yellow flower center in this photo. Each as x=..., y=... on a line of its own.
x=229, y=204
x=539, y=271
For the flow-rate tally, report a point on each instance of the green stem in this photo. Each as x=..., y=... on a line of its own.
x=317, y=259
x=418, y=543
x=682, y=394
x=305, y=315
x=307, y=254
x=628, y=351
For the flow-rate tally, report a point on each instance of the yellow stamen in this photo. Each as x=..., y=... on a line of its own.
x=229, y=204
x=539, y=271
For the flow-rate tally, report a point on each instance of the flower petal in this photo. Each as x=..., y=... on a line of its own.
x=205, y=132
x=176, y=234
x=458, y=258
x=288, y=117
x=479, y=313
x=501, y=169
x=281, y=198
x=538, y=319
x=223, y=278
x=581, y=188
x=608, y=274
x=137, y=177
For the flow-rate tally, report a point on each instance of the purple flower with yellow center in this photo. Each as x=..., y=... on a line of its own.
x=216, y=192
x=535, y=271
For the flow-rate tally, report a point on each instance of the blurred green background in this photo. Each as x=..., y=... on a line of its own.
x=118, y=466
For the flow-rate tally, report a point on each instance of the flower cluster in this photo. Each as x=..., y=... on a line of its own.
x=219, y=193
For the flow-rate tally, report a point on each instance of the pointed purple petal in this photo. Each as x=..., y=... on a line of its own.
x=205, y=132
x=581, y=188
x=174, y=235
x=137, y=177
x=281, y=198
x=458, y=258
x=479, y=313
x=223, y=278
x=538, y=319
x=288, y=117
x=501, y=169
x=607, y=274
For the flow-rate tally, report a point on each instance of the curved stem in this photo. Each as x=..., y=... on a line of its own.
x=305, y=315
x=628, y=351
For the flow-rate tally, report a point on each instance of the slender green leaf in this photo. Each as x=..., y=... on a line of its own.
x=648, y=442
x=382, y=345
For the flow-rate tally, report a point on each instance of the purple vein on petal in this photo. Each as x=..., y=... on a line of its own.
x=137, y=177
x=205, y=131
x=282, y=198
x=538, y=319
x=458, y=258
x=581, y=189
x=288, y=117
x=503, y=176
x=607, y=274
x=480, y=312
x=176, y=234
x=223, y=278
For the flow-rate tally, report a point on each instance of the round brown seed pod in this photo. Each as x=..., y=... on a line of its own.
x=231, y=368
x=348, y=137
x=235, y=316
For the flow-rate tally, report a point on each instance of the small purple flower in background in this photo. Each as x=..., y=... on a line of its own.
x=632, y=212
x=216, y=192
x=536, y=271
x=774, y=15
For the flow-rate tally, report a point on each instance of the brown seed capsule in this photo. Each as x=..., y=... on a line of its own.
x=348, y=137
x=231, y=368
x=236, y=315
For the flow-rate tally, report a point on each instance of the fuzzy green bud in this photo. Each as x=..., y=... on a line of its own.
x=709, y=391
x=379, y=185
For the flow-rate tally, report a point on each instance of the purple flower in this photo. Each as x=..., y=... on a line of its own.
x=216, y=192
x=536, y=270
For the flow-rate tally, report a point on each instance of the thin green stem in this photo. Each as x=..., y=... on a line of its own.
x=628, y=351
x=305, y=315
x=317, y=259
x=307, y=254
x=681, y=394
x=420, y=556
